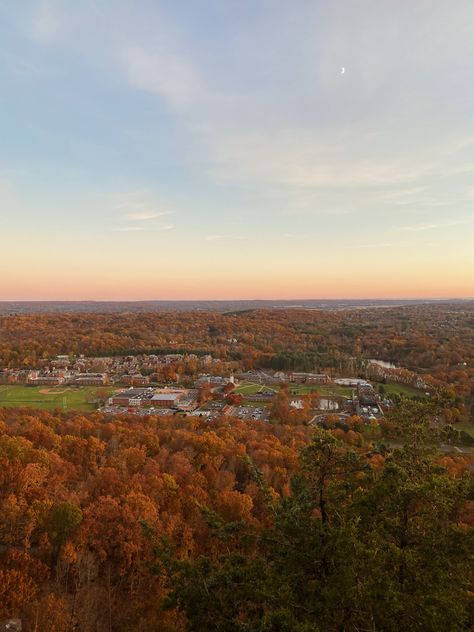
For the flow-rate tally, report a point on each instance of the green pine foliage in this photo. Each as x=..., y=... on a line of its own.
x=353, y=548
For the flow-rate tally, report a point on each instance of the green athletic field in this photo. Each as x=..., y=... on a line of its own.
x=68, y=398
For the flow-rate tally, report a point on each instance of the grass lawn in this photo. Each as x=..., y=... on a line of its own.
x=467, y=426
x=74, y=398
x=250, y=388
x=401, y=389
x=325, y=390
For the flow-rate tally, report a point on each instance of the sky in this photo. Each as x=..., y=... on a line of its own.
x=224, y=149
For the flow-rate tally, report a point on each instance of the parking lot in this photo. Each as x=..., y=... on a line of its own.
x=251, y=413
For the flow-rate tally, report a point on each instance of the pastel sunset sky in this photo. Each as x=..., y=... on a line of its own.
x=236, y=149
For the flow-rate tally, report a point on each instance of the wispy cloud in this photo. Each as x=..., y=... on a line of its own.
x=142, y=216
x=414, y=228
x=237, y=140
x=46, y=21
x=433, y=226
x=229, y=237
x=128, y=229
x=163, y=72
x=165, y=227
x=405, y=196
x=249, y=131
x=380, y=244
x=140, y=206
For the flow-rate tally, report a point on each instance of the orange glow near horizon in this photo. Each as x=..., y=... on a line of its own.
x=244, y=278
x=113, y=289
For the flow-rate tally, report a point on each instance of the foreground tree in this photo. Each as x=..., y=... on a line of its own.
x=354, y=547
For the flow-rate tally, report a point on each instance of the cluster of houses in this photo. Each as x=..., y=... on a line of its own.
x=137, y=371
x=36, y=378
x=53, y=378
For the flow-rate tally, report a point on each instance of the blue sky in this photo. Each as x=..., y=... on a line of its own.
x=236, y=149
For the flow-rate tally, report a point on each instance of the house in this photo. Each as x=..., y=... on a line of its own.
x=135, y=380
x=89, y=379
x=213, y=380
x=297, y=404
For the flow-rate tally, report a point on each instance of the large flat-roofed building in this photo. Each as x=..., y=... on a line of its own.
x=155, y=398
x=132, y=397
x=165, y=400
x=352, y=382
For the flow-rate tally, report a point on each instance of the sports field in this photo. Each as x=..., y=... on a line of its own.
x=67, y=398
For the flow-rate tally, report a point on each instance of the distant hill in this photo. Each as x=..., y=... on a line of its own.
x=12, y=307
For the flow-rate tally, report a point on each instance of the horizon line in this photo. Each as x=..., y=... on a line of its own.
x=227, y=300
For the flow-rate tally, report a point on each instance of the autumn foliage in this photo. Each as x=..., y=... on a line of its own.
x=83, y=499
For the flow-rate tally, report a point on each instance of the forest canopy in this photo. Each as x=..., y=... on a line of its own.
x=178, y=524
